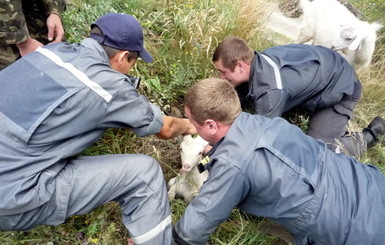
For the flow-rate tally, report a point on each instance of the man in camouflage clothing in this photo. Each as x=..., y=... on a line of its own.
x=26, y=25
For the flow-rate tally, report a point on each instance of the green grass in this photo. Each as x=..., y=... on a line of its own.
x=181, y=36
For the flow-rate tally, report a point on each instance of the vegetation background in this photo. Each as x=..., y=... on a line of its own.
x=181, y=35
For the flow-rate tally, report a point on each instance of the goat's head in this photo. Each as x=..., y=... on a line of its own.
x=191, y=150
x=351, y=36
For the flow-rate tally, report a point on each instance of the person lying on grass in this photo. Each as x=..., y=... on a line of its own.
x=270, y=168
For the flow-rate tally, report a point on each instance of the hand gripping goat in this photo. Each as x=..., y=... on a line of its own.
x=188, y=182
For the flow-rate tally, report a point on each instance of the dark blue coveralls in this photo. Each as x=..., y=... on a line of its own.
x=312, y=78
x=280, y=173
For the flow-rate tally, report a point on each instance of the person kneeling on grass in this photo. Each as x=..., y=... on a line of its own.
x=57, y=101
x=270, y=168
x=315, y=80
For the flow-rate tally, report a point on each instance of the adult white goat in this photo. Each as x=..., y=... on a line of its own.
x=330, y=24
x=188, y=182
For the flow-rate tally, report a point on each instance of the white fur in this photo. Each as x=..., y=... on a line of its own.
x=188, y=182
x=277, y=22
x=330, y=24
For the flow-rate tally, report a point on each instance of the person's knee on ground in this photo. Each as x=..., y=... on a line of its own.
x=136, y=181
x=146, y=210
x=373, y=131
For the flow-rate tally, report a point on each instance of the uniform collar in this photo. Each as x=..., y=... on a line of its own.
x=93, y=44
x=206, y=163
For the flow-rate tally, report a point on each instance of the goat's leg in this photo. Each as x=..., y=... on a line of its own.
x=190, y=195
x=304, y=36
x=172, y=188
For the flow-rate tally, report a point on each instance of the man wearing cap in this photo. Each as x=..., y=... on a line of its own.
x=57, y=101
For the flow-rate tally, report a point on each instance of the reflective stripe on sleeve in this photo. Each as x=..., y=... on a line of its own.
x=153, y=232
x=277, y=74
x=77, y=73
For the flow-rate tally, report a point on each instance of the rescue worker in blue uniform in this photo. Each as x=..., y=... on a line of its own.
x=269, y=167
x=57, y=101
x=314, y=79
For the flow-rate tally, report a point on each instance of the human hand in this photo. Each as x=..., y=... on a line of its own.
x=55, y=28
x=28, y=46
x=130, y=241
x=190, y=127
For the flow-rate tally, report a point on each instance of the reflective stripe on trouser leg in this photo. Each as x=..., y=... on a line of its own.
x=135, y=181
x=154, y=232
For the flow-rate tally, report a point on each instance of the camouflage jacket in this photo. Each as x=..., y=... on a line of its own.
x=13, y=26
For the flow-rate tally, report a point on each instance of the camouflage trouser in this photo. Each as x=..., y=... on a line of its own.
x=35, y=16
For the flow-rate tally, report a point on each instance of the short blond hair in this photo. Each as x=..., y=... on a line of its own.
x=213, y=98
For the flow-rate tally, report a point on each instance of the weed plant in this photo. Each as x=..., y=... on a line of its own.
x=181, y=36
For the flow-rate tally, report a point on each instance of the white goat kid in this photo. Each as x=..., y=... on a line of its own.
x=357, y=44
x=328, y=23
x=189, y=181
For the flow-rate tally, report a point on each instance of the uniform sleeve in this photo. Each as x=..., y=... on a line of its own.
x=225, y=188
x=55, y=6
x=13, y=28
x=271, y=103
x=130, y=110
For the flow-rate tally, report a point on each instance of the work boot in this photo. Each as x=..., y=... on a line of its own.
x=375, y=129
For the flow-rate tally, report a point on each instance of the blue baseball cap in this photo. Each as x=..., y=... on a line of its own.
x=123, y=32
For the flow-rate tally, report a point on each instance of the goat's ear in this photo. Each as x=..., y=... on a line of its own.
x=202, y=141
x=376, y=26
x=187, y=138
x=362, y=32
x=356, y=43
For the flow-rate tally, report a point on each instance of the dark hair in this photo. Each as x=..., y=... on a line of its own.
x=111, y=52
x=231, y=50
